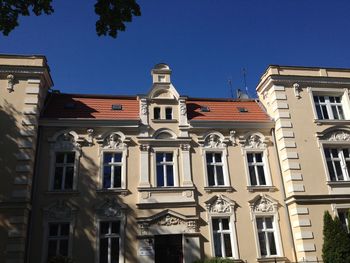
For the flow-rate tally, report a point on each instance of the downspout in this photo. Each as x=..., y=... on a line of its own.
x=286, y=210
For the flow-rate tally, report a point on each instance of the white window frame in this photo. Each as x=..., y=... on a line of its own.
x=175, y=152
x=346, y=173
x=337, y=92
x=124, y=153
x=58, y=238
x=271, y=213
x=223, y=152
x=120, y=236
x=222, y=232
x=266, y=166
x=65, y=147
x=172, y=113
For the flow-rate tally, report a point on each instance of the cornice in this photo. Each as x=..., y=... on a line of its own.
x=317, y=199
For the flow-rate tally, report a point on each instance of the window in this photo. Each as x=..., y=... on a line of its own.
x=161, y=78
x=58, y=239
x=109, y=241
x=338, y=163
x=256, y=168
x=215, y=169
x=168, y=113
x=112, y=170
x=266, y=236
x=329, y=107
x=164, y=169
x=156, y=113
x=222, y=236
x=64, y=171
x=343, y=217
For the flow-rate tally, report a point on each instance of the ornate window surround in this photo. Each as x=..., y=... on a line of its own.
x=342, y=92
x=215, y=142
x=110, y=210
x=333, y=137
x=113, y=142
x=58, y=212
x=64, y=141
x=256, y=142
x=220, y=206
x=175, y=152
x=265, y=206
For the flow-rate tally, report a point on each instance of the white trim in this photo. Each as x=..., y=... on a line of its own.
x=266, y=166
x=175, y=152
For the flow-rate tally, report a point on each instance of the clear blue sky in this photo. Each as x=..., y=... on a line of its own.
x=205, y=42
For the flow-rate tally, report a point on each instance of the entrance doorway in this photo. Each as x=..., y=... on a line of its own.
x=168, y=248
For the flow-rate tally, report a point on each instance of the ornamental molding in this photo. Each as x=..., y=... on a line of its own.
x=60, y=210
x=110, y=208
x=185, y=147
x=297, y=89
x=143, y=106
x=170, y=220
x=220, y=204
x=263, y=204
x=337, y=136
x=253, y=141
x=213, y=140
x=113, y=141
x=144, y=147
x=183, y=107
x=10, y=82
x=66, y=140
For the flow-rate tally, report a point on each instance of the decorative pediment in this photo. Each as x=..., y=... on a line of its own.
x=110, y=208
x=263, y=204
x=337, y=136
x=220, y=204
x=213, y=140
x=59, y=210
x=253, y=141
x=66, y=141
x=164, y=134
x=114, y=141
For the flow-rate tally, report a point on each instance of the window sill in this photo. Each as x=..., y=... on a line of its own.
x=165, y=189
x=331, y=122
x=338, y=183
x=164, y=121
x=272, y=259
x=257, y=188
x=114, y=191
x=62, y=192
x=210, y=189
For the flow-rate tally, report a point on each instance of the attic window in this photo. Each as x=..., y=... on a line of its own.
x=117, y=107
x=161, y=78
x=69, y=105
x=205, y=109
x=242, y=109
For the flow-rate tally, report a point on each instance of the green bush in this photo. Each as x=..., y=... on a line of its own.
x=60, y=259
x=215, y=260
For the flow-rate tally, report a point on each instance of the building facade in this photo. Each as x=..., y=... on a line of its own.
x=162, y=177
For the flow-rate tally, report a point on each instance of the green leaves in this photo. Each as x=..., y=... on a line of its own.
x=113, y=14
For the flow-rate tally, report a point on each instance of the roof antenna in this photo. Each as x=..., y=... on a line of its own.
x=230, y=86
x=244, y=71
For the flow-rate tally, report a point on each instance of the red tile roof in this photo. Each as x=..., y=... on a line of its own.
x=91, y=107
x=225, y=110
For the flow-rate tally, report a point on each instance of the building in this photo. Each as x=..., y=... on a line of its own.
x=161, y=177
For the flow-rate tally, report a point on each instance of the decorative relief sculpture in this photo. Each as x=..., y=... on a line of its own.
x=233, y=137
x=213, y=141
x=110, y=208
x=264, y=205
x=185, y=147
x=60, y=210
x=183, y=107
x=338, y=136
x=144, y=147
x=144, y=107
x=254, y=141
x=170, y=220
x=66, y=142
x=297, y=90
x=113, y=141
x=144, y=228
x=220, y=205
x=90, y=138
x=10, y=82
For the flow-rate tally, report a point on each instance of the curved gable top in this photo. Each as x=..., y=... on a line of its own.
x=163, y=91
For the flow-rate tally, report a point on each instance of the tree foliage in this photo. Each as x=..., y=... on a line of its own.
x=112, y=14
x=336, y=241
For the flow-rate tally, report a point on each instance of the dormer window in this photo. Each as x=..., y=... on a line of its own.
x=168, y=113
x=156, y=113
x=161, y=78
x=205, y=109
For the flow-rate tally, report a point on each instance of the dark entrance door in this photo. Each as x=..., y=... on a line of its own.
x=168, y=249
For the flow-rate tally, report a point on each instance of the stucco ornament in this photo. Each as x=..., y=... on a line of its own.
x=297, y=90
x=90, y=136
x=110, y=208
x=185, y=147
x=338, y=136
x=144, y=147
x=213, y=141
x=183, y=108
x=144, y=107
x=60, y=210
x=113, y=141
x=66, y=142
x=10, y=82
x=254, y=141
x=233, y=137
x=264, y=205
x=170, y=220
x=220, y=205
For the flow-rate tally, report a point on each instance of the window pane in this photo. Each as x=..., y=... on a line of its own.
x=325, y=113
x=168, y=113
x=220, y=175
x=261, y=175
x=272, y=243
x=341, y=113
x=315, y=98
x=169, y=157
x=209, y=157
x=327, y=153
x=339, y=170
x=210, y=171
x=107, y=177
x=103, y=250
x=250, y=157
x=117, y=176
x=170, y=175
x=321, y=98
x=159, y=157
x=228, y=248
x=331, y=171
x=59, y=157
x=225, y=224
x=334, y=153
x=217, y=245
x=335, y=113
x=115, y=227
x=70, y=157
x=65, y=229
x=115, y=250
x=218, y=157
x=68, y=183
x=107, y=157
x=160, y=175
x=259, y=223
x=262, y=243
x=53, y=229
x=52, y=246
x=118, y=157
x=268, y=222
x=104, y=226
x=346, y=153
x=58, y=178
x=252, y=175
x=319, y=112
x=215, y=224
x=156, y=112
x=337, y=99
x=331, y=99
x=63, y=250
